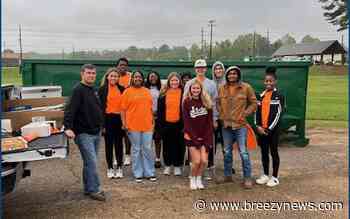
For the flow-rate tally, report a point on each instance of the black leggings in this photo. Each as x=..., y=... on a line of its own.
x=270, y=143
x=219, y=139
x=113, y=138
x=173, y=145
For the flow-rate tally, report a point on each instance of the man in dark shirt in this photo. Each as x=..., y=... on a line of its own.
x=83, y=119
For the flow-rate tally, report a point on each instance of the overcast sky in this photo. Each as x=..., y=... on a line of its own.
x=50, y=26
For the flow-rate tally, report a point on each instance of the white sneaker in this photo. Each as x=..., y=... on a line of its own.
x=273, y=182
x=177, y=171
x=199, y=182
x=263, y=179
x=193, y=183
x=118, y=173
x=127, y=160
x=166, y=170
x=110, y=173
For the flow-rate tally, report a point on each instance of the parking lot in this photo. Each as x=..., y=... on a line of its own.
x=316, y=173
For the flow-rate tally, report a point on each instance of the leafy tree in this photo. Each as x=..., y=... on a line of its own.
x=276, y=45
x=336, y=13
x=195, y=52
x=288, y=39
x=244, y=46
x=223, y=50
x=164, y=48
x=309, y=39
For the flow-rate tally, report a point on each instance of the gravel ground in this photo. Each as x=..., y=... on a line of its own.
x=316, y=173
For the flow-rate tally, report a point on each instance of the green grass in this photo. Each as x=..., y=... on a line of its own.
x=326, y=124
x=327, y=97
x=10, y=75
x=328, y=70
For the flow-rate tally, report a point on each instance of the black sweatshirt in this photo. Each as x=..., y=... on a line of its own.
x=83, y=113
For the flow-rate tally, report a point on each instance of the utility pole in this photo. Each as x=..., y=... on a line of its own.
x=268, y=36
x=211, y=24
x=202, y=40
x=20, y=46
x=342, y=55
x=342, y=40
x=268, y=41
x=205, y=50
x=62, y=53
x=253, y=45
x=73, y=51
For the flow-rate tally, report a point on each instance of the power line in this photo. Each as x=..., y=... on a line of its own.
x=202, y=41
x=211, y=24
x=253, y=45
x=20, y=46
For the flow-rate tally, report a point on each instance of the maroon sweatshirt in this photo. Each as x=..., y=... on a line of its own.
x=198, y=123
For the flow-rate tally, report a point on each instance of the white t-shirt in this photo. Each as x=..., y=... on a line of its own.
x=155, y=94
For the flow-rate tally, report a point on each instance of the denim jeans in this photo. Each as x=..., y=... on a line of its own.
x=142, y=154
x=230, y=137
x=88, y=146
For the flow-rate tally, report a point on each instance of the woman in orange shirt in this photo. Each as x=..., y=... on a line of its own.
x=169, y=119
x=110, y=93
x=137, y=118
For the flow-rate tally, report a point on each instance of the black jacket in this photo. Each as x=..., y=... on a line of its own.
x=103, y=93
x=83, y=112
x=161, y=122
x=277, y=108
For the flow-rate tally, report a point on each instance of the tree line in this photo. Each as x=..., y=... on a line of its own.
x=251, y=44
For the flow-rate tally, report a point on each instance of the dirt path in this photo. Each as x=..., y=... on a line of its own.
x=315, y=173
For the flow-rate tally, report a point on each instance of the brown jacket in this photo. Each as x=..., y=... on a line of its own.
x=235, y=102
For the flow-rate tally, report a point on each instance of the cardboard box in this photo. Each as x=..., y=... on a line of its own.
x=19, y=119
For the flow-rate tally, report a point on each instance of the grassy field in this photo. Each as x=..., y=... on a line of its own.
x=327, y=98
x=327, y=94
x=11, y=76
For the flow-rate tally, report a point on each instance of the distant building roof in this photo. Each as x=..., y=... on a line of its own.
x=323, y=47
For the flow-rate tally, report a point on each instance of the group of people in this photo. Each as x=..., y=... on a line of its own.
x=194, y=113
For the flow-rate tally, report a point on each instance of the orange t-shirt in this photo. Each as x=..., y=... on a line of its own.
x=265, y=109
x=113, y=104
x=124, y=80
x=172, y=103
x=137, y=104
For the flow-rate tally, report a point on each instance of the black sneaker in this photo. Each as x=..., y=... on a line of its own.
x=158, y=164
x=138, y=180
x=98, y=196
x=233, y=171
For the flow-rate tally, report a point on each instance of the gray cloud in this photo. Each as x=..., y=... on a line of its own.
x=50, y=26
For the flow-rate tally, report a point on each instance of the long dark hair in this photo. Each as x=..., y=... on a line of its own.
x=133, y=75
x=158, y=83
